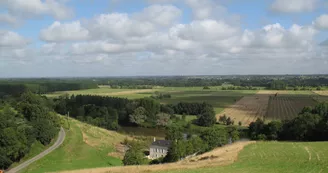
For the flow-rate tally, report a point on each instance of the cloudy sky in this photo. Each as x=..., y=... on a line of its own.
x=53, y=38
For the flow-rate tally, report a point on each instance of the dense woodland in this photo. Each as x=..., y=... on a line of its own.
x=23, y=121
x=110, y=112
x=310, y=125
x=40, y=86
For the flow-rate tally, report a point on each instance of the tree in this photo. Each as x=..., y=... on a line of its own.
x=174, y=132
x=163, y=119
x=214, y=137
x=176, y=152
x=223, y=119
x=273, y=129
x=207, y=117
x=230, y=121
x=134, y=156
x=256, y=128
x=138, y=116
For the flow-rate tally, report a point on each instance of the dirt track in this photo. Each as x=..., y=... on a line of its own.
x=218, y=157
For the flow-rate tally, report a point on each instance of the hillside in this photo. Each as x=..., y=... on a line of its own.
x=302, y=157
x=85, y=146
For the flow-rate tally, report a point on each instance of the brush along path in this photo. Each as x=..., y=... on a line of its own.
x=221, y=156
x=60, y=140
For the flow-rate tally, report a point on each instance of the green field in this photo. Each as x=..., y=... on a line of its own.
x=97, y=91
x=77, y=154
x=274, y=157
x=215, y=96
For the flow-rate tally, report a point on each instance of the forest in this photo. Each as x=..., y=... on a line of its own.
x=25, y=120
x=42, y=86
x=111, y=112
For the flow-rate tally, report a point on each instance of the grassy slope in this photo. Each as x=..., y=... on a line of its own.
x=272, y=157
x=36, y=149
x=81, y=151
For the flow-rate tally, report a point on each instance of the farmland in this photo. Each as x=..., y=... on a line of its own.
x=287, y=107
x=271, y=105
x=242, y=106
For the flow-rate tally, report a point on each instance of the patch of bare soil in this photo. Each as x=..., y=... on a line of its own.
x=218, y=157
x=248, y=108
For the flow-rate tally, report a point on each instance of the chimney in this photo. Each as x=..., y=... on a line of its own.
x=154, y=139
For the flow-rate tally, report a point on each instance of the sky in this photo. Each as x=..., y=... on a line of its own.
x=73, y=38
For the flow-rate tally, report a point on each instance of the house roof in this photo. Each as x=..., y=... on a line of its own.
x=162, y=143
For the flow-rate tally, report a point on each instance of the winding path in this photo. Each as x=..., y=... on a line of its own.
x=60, y=140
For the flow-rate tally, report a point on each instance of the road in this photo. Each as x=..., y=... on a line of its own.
x=60, y=140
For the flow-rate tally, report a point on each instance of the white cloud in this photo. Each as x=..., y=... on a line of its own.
x=104, y=47
x=206, y=30
x=144, y=42
x=117, y=26
x=321, y=22
x=31, y=8
x=12, y=39
x=59, y=32
x=8, y=19
x=294, y=6
x=163, y=15
x=204, y=9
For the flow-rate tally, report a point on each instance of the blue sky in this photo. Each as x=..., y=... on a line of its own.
x=48, y=38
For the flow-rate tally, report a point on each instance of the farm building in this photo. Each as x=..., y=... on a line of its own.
x=159, y=148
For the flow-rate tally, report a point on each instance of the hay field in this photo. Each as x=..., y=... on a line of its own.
x=218, y=157
x=275, y=157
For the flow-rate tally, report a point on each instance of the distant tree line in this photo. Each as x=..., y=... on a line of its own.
x=270, y=82
x=24, y=121
x=16, y=88
x=310, y=125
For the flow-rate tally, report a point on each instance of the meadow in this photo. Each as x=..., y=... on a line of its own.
x=272, y=157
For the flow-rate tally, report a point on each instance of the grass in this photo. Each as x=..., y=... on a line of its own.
x=36, y=149
x=272, y=157
x=97, y=91
x=85, y=146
